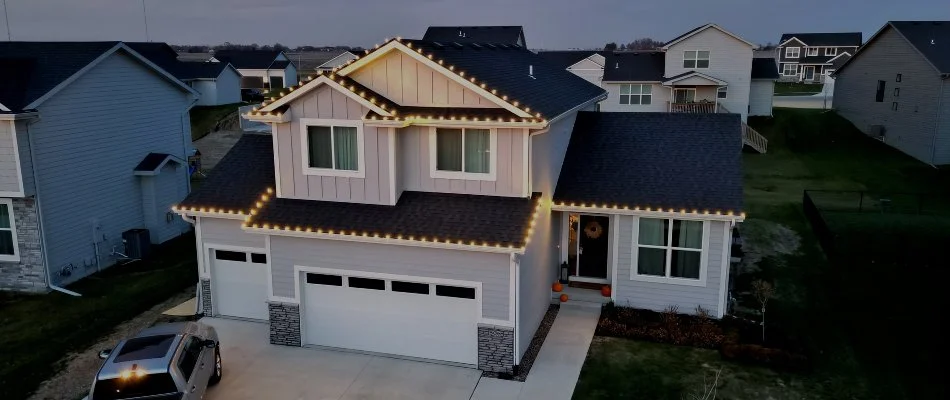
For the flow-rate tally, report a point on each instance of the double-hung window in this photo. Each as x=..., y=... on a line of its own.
x=636, y=94
x=789, y=69
x=695, y=59
x=332, y=148
x=811, y=51
x=463, y=153
x=8, y=241
x=831, y=51
x=669, y=249
x=792, y=52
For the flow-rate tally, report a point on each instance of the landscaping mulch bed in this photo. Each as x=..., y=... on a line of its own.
x=736, y=339
x=533, y=349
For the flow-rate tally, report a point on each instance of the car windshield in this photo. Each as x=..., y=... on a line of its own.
x=144, y=348
x=159, y=385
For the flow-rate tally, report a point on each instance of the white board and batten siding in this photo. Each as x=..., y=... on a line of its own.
x=912, y=126
x=91, y=136
x=730, y=60
x=228, y=232
x=414, y=164
x=760, y=97
x=661, y=296
x=327, y=103
x=492, y=270
x=404, y=80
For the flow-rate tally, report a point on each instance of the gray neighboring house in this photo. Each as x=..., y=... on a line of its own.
x=421, y=201
x=93, y=143
x=810, y=57
x=897, y=88
x=260, y=69
x=217, y=83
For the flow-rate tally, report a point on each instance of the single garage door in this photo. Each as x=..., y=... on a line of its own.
x=240, y=284
x=408, y=317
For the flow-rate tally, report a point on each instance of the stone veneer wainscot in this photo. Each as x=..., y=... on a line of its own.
x=27, y=275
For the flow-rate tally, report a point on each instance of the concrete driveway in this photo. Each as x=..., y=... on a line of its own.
x=254, y=369
x=818, y=101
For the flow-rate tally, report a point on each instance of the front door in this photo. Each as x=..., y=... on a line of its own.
x=808, y=73
x=592, y=246
x=681, y=96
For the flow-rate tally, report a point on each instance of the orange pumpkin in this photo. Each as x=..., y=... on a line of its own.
x=557, y=287
x=605, y=290
x=563, y=298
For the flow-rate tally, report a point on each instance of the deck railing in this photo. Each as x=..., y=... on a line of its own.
x=754, y=139
x=694, y=108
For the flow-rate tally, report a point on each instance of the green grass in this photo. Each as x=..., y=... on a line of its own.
x=795, y=88
x=204, y=118
x=629, y=369
x=38, y=330
x=853, y=319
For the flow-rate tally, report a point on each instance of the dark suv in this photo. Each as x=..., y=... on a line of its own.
x=169, y=361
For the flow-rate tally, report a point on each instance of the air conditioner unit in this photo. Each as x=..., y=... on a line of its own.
x=878, y=132
x=138, y=245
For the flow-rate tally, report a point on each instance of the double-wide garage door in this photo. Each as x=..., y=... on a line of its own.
x=404, y=316
x=240, y=284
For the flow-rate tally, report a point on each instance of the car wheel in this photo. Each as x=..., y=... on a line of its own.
x=218, y=367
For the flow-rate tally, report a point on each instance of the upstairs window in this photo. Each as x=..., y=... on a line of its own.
x=695, y=59
x=722, y=93
x=792, y=52
x=332, y=148
x=463, y=153
x=811, y=51
x=636, y=94
x=831, y=51
x=879, y=95
x=8, y=242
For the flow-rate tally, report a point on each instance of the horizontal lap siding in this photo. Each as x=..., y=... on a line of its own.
x=942, y=147
x=90, y=137
x=9, y=170
x=489, y=268
x=414, y=162
x=228, y=232
x=910, y=128
x=328, y=103
x=660, y=296
x=658, y=102
x=730, y=60
x=228, y=87
x=400, y=78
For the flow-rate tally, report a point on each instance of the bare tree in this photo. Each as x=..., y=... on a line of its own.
x=709, y=388
x=762, y=291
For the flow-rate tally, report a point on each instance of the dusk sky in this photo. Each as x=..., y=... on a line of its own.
x=549, y=24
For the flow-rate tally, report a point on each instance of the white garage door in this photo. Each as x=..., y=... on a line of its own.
x=240, y=284
x=408, y=317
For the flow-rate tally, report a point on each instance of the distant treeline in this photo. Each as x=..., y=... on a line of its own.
x=255, y=46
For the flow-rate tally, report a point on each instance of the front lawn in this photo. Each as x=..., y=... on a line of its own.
x=204, y=118
x=39, y=330
x=796, y=89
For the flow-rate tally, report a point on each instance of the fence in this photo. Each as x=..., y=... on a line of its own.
x=859, y=201
x=247, y=125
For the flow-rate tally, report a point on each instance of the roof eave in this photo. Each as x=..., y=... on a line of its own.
x=22, y=115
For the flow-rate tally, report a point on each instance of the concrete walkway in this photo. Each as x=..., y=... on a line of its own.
x=555, y=371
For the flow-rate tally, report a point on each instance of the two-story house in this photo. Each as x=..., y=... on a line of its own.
x=810, y=57
x=706, y=70
x=260, y=69
x=897, y=88
x=94, y=140
x=421, y=200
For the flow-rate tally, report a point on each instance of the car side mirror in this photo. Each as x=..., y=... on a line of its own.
x=104, y=354
x=209, y=344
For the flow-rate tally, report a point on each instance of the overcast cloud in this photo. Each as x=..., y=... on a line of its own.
x=550, y=24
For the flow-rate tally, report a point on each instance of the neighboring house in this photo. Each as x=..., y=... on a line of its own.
x=897, y=88
x=308, y=62
x=91, y=146
x=260, y=69
x=337, y=61
x=809, y=57
x=217, y=83
x=706, y=70
x=196, y=57
x=420, y=200
x=511, y=35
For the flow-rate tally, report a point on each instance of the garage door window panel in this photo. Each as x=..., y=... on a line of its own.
x=455, y=291
x=366, y=283
x=324, y=279
x=259, y=258
x=225, y=255
x=410, y=287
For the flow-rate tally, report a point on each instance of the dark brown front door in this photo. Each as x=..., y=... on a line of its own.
x=594, y=236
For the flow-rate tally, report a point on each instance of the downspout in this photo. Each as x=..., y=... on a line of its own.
x=39, y=215
x=933, y=144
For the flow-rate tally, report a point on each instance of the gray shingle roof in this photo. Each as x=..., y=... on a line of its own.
x=164, y=56
x=566, y=58
x=474, y=34
x=239, y=178
x=764, y=68
x=248, y=59
x=635, y=66
x=42, y=66
x=551, y=92
x=151, y=161
x=931, y=38
x=826, y=38
x=668, y=160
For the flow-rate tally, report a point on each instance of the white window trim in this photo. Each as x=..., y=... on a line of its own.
x=723, y=89
x=684, y=90
x=305, y=153
x=788, y=52
x=15, y=257
x=703, y=257
x=708, y=59
x=794, y=69
x=468, y=176
x=808, y=51
x=641, y=95
x=831, y=51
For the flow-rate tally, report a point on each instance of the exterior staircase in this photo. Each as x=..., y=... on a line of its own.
x=754, y=139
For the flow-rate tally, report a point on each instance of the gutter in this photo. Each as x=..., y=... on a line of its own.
x=39, y=215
